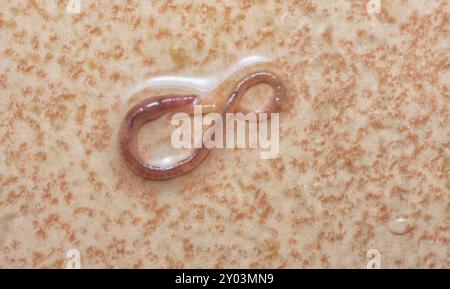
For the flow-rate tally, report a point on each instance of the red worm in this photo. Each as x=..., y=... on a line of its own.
x=154, y=107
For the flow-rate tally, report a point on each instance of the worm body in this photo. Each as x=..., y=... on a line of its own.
x=155, y=107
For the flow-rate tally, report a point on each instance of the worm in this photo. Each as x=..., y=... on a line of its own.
x=155, y=107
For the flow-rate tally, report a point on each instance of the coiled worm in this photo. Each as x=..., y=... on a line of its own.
x=155, y=107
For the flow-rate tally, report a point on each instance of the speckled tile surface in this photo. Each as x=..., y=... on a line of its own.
x=364, y=136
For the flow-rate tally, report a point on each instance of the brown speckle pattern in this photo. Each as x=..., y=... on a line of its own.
x=364, y=136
